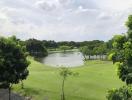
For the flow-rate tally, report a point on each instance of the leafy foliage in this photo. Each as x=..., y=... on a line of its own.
x=123, y=93
x=13, y=62
x=123, y=54
x=99, y=50
x=86, y=52
x=36, y=48
x=64, y=48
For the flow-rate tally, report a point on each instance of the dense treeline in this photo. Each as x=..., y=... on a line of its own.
x=72, y=44
x=40, y=48
x=53, y=45
x=88, y=48
x=97, y=52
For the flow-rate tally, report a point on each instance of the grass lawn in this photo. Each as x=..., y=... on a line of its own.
x=94, y=80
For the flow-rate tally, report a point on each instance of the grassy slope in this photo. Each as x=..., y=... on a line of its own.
x=94, y=79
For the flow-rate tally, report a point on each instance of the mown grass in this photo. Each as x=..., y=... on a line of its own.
x=94, y=80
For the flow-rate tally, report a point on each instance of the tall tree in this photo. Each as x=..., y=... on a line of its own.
x=13, y=63
x=123, y=53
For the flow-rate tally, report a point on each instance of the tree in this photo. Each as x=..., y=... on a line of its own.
x=96, y=51
x=65, y=73
x=109, y=44
x=36, y=48
x=102, y=50
x=85, y=52
x=122, y=46
x=13, y=63
x=50, y=44
x=18, y=41
x=122, y=54
x=64, y=48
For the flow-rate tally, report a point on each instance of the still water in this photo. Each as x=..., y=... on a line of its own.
x=67, y=59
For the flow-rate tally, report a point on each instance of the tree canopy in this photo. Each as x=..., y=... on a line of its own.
x=64, y=48
x=36, y=48
x=13, y=62
x=123, y=53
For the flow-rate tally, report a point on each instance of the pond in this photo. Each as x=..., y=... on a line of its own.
x=67, y=59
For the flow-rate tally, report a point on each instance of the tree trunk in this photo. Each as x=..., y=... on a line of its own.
x=100, y=56
x=10, y=92
x=63, y=94
x=89, y=57
x=22, y=85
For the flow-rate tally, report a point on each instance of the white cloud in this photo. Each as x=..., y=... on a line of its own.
x=64, y=19
x=115, y=4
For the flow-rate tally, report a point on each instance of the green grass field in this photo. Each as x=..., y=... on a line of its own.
x=94, y=80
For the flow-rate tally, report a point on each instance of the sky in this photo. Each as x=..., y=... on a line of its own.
x=64, y=20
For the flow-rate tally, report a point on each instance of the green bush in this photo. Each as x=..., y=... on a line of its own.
x=123, y=93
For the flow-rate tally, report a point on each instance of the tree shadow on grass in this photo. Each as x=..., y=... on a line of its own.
x=34, y=93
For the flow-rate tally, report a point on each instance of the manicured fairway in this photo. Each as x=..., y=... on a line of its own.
x=93, y=82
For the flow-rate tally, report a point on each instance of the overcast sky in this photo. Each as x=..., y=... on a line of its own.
x=66, y=20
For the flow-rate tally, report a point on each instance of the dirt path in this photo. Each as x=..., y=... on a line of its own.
x=5, y=96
